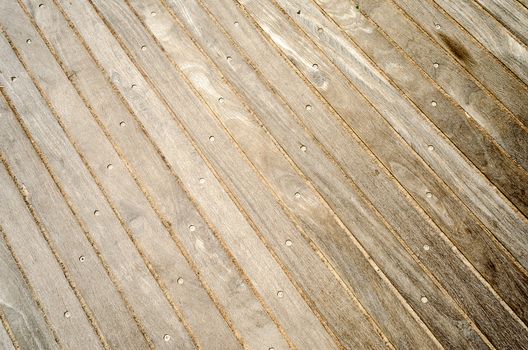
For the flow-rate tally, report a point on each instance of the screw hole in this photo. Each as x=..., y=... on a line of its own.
x=109, y=167
x=28, y=41
x=122, y=123
x=143, y=48
x=13, y=78
x=82, y=258
x=96, y=213
x=299, y=12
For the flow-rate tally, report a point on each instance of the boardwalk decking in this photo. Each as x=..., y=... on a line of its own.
x=263, y=174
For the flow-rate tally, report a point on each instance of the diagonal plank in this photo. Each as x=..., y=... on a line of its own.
x=92, y=211
x=497, y=39
x=28, y=239
x=279, y=292
x=466, y=70
x=18, y=306
x=313, y=215
x=452, y=217
x=249, y=318
x=126, y=197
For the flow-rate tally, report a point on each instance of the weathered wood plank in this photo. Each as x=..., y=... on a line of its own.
x=480, y=196
x=466, y=70
x=289, y=138
x=32, y=248
x=315, y=218
x=5, y=341
x=248, y=316
x=457, y=222
x=92, y=211
x=268, y=276
x=463, y=128
x=511, y=14
x=497, y=39
x=392, y=211
x=155, y=241
x=18, y=306
x=230, y=165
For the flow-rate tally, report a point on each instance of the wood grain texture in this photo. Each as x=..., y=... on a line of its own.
x=277, y=174
x=27, y=239
x=509, y=13
x=5, y=341
x=184, y=159
x=487, y=74
x=248, y=316
x=98, y=218
x=132, y=206
x=261, y=12
x=247, y=132
x=497, y=39
x=418, y=132
x=18, y=308
x=456, y=221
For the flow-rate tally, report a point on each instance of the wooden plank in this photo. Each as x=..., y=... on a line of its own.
x=249, y=317
x=237, y=72
x=447, y=211
x=464, y=128
x=155, y=241
x=231, y=165
x=317, y=221
x=93, y=212
x=18, y=307
x=479, y=195
x=465, y=67
x=5, y=341
x=511, y=14
x=497, y=39
x=250, y=252
x=22, y=235
x=392, y=211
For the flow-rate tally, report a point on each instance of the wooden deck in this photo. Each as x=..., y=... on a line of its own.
x=264, y=174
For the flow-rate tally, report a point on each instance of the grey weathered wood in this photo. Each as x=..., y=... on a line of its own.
x=315, y=218
x=464, y=128
x=18, y=306
x=97, y=217
x=250, y=252
x=32, y=249
x=414, y=27
x=231, y=165
x=457, y=222
x=511, y=14
x=249, y=318
x=481, y=197
x=497, y=39
x=289, y=137
x=155, y=241
x=5, y=341
x=408, y=227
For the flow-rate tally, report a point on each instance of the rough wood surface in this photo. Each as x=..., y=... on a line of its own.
x=275, y=174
